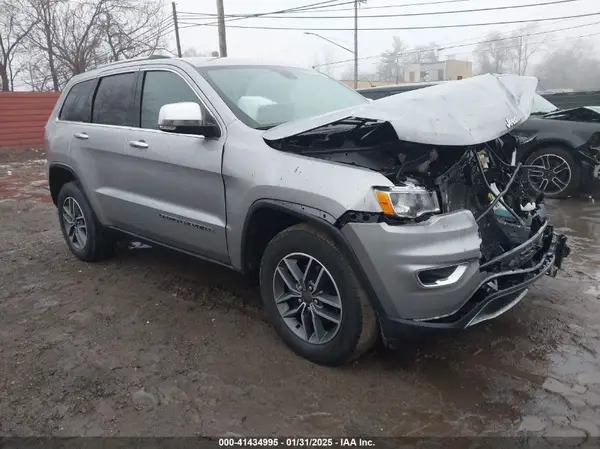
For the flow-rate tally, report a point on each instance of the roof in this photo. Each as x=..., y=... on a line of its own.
x=199, y=61
x=196, y=61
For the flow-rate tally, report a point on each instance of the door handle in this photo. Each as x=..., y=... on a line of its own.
x=138, y=144
x=81, y=136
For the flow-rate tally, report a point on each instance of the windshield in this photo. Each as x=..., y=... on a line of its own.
x=266, y=96
x=541, y=105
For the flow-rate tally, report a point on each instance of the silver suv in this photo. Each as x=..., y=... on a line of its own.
x=358, y=219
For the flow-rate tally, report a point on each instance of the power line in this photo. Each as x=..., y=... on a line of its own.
x=540, y=42
x=165, y=29
x=423, y=27
x=163, y=23
x=487, y=41
x=431, y=13
x=323, y=8
x=296, y=8
x=405, y=5
x=157, y=33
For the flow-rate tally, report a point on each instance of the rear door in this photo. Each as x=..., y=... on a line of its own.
x=174, y=182
x=99, y=146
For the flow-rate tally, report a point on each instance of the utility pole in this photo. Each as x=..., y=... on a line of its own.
x=221, y=27
x=520, y=51
x=356, y=44
x=176, y=29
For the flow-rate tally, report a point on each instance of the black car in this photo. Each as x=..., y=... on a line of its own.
x=565, y=145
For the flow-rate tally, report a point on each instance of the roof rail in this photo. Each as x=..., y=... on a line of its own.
x=141, y=58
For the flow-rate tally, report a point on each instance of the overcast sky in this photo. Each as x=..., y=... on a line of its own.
x=293, y=46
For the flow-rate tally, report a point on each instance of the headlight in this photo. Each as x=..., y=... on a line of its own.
x=407, y=201
x=523, y=137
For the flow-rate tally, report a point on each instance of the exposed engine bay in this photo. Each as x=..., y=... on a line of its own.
x=484, y=178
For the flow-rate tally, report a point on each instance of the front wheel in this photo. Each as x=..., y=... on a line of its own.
x=557, y=174
x=313, y=298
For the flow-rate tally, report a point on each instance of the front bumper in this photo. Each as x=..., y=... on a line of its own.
x=482, y=293
x=591, y=172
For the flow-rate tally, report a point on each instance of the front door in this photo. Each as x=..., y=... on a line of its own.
x=177, y=196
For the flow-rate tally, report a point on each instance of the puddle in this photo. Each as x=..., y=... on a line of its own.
x=579, y=219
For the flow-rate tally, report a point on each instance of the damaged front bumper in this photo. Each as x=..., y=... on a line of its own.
x=483, y=291
x=589, y=155
x=499, y=292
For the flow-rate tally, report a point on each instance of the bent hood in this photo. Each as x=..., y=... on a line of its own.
x=465, y=112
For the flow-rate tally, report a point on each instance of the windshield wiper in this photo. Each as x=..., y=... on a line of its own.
x=546, y=112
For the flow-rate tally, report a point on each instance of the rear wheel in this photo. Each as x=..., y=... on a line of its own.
x=313, y=298
x=557, y=174
x=84, y=234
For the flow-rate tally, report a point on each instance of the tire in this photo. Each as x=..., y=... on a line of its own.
x=358, y=328
x=98, y=243
x=554, y=155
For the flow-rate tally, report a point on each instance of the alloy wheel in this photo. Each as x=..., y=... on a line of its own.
x=75, y=224
x=551, y=175
x=307, y=298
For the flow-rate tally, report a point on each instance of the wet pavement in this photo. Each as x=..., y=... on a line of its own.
x=155, y=343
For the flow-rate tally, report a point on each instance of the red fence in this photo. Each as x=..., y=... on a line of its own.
x=23, y=116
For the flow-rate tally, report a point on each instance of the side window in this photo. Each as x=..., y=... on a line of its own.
x=113, y=104
x=162, y=88
x=78, y=104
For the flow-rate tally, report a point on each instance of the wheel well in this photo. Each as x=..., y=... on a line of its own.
x=58, y=177
x=545, y=144
x=264, y=224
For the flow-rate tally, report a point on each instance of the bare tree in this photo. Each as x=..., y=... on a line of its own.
x=570, y=67
x=325, y=64
x=526, y=46
x=496, y=54
x=422, y=53
x=14, y=29
x=134, y=29
x=389, y=66
x=46, y=13
x=76, y=36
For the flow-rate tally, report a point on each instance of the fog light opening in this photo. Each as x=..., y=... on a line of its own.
x=441, y=276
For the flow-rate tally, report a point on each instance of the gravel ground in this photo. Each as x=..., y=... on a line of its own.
x=156, y=343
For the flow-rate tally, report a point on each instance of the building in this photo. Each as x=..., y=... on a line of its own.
x=448, y=70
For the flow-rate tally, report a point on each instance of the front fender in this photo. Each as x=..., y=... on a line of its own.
x=253, y=171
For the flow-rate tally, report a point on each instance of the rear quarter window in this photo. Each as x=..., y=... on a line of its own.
x=78, y=104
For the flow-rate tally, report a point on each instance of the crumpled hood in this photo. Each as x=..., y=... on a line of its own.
x=465, y=112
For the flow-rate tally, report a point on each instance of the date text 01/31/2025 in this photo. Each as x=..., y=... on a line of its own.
x=295, y=442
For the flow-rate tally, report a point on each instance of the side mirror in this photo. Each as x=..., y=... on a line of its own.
x=185, y=118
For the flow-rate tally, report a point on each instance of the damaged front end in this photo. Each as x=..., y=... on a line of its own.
x=517, y=243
